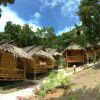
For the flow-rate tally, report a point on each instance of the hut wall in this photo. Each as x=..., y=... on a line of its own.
x=73, y=56
x=36, y=60
x=0, y=58
x=20, y=63
x=49, y=61
x=8, y=61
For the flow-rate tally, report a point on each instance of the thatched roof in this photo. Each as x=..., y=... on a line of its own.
x=53, y=52
x=73, y=46
x=57, y=54
x=17, y=52
x=50, y=51
x=38, y=51
x=44, y=55
x=33, y=49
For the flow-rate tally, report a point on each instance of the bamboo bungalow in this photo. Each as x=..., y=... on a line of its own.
x=74, y=54
x=40, y=58
x=12, y=63
x=55, y=54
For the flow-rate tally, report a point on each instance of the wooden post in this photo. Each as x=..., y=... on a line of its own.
x=0, y=58
x=87, y=56
x=67, y=58
x=35, y=72
x=25, y=70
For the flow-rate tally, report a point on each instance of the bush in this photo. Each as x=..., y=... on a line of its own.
x=55, y=80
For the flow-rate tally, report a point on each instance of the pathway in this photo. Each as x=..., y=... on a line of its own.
x=31, y=90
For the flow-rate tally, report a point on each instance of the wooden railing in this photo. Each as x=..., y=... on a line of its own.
x=75, y=58
x=7, y=74
x=37, y=68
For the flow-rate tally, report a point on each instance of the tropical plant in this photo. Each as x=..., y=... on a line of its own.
x=55, y=80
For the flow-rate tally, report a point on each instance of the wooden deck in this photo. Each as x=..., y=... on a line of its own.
x=11, y=74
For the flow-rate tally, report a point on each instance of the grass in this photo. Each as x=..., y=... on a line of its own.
x=85, y=86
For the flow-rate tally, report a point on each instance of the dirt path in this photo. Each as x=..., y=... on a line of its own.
x=86, y=86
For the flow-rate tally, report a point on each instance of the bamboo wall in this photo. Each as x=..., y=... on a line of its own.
x=8, y=68
x=8, y=61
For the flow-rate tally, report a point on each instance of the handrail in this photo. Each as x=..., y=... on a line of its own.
x=11, y=71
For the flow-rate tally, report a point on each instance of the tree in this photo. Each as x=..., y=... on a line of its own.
x=10, y=32
x=25, y=36
x=50, y=38
x=65, y=39
x=46, y=37
x=12, y=29
x=3, y=37
x=5, y=2
x=89, y=12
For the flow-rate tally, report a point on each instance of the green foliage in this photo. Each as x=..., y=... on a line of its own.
x=62, y=80
x=25, y=36
x=4, y=37
x=12, y=29
x=5, y=2
x=10, y=32
x=64, y=40
x=54, y=80
x=46, y=37
x=74, y=97
x=61, y=61
x=92, y=58
x=89, y=12
x=52, y=75
x=42, y=93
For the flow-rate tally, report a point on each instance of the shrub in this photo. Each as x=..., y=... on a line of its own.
x=55, y=80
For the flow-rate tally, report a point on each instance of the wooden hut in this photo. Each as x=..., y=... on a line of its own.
x=12, y=63
x=74, y=54
x=40, y=57
x=55, y=54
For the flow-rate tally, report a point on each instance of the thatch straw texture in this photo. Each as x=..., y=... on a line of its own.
x=38, y=51
x=17, y=52
x=8, y=61
x=43, y=55
x=53, y=52
x=74, y=47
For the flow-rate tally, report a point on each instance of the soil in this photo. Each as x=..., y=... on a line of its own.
x=85, y=86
